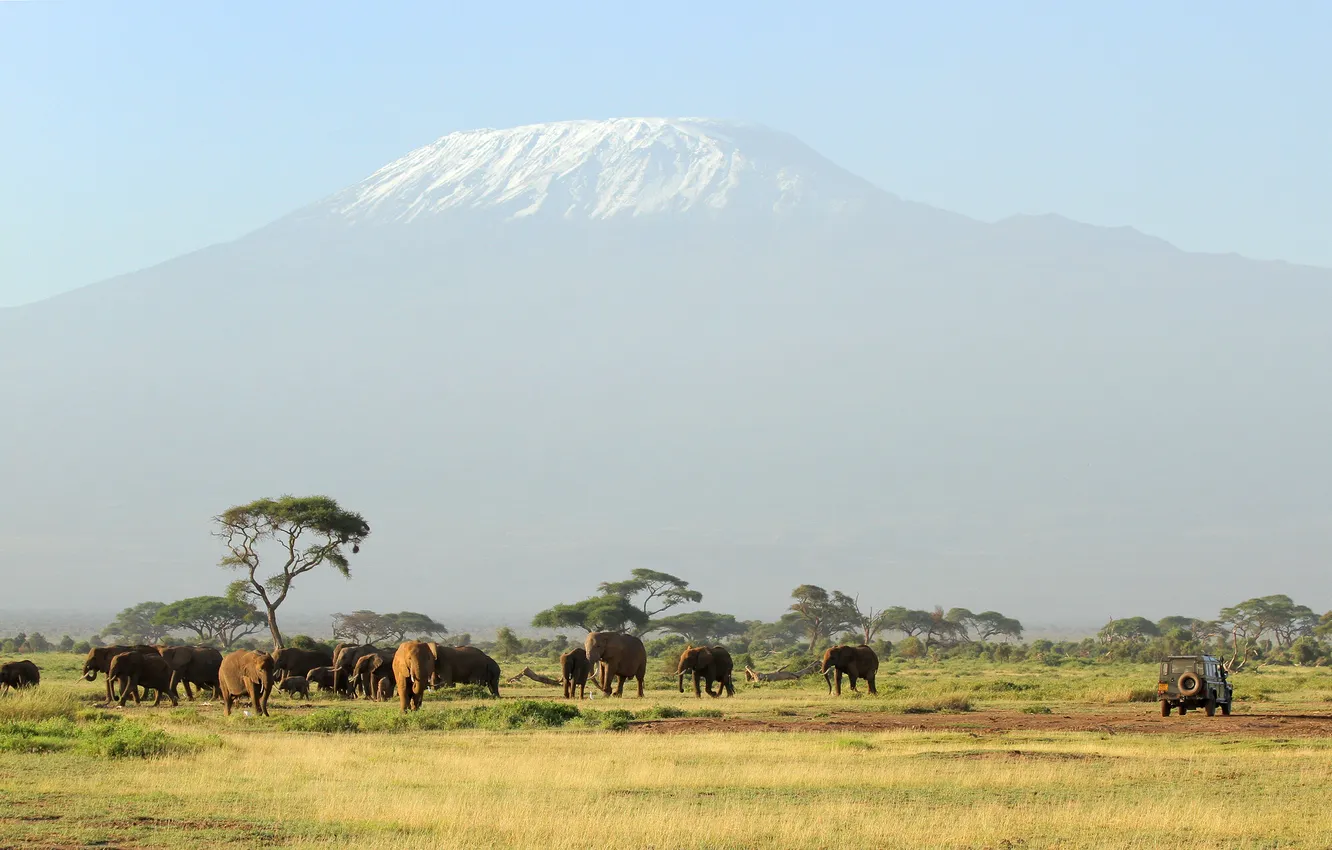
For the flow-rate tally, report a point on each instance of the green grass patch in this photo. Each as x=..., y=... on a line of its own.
x=106, y=738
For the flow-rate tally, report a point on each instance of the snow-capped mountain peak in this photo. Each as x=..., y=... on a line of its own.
x=605, y=169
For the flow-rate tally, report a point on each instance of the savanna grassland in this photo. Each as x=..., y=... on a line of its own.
x=955, y=755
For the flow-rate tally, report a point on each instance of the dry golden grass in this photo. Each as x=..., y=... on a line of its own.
x=596, y=789
x=967, y=786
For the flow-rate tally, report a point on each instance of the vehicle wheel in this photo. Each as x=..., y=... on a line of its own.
x=1183, y=711
x=1189, y=684
x=1165, y=708
x=1225, y=709
x=1210, y=708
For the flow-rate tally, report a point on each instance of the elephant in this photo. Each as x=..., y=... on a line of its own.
x=297, y=686
x=19, y=674
x=99, y=661
x=345, y=657
x=619, y=655
x=246, y=673
x=193, y=665
x=414, y=670
x=149, y=670
x=464, y=665
x=712, y=664
x=574, y=669
x=857, y=662
x=295, y=662
x=321, y=676
x=369, y=670
x=385, y=689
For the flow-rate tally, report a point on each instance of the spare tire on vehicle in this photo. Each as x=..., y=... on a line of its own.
x=1189, y=684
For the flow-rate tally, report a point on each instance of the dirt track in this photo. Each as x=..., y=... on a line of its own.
x=1268, y=725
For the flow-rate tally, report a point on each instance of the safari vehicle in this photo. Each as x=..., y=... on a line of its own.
x=1194, y=681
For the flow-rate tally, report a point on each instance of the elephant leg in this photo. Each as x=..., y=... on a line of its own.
x=405, y=695
x=640, y=685
x=189, y=693
x=838, y=679
x=852, y=677
x=730, y=687
x=226, y=704
x=870, y=680
x=696, y=678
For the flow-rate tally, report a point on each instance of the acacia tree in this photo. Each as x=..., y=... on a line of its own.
x=358, y=626
x=699, y=627
x=225, y=619
x=662, y=590
x=822, y=613
x=369, y=627
x=398, y=626
x=306, y=532
x=598, y=614
x=137, y=624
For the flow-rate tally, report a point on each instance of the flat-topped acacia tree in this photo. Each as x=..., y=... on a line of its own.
x=303, y=532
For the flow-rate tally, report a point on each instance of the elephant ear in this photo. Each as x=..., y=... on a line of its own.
x=704, y=656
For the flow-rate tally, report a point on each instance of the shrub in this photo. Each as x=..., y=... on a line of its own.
x=328, y=721
x=950, y=702
x=104, y=738
x=461, y=692
x=616, y=720
x=129, y=739
x=504, y=716
x=1036, y=709
x=661, y=712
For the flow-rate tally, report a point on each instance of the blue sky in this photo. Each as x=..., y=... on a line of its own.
x=130, y=133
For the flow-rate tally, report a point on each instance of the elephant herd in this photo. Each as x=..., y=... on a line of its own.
x=610, y=659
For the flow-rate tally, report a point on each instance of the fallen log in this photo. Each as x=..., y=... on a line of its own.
x=529, y=673
x=781, y=674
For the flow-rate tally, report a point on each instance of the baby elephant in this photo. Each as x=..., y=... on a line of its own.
x=296, y=686
x=321, y=676
x=384, y=690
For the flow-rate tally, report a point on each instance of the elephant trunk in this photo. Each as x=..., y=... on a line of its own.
x=680, y=673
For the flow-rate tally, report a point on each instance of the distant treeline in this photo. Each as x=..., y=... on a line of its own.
x=1273, y=629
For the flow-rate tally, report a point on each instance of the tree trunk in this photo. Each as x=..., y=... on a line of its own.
x=273, y=626
x=529, y=673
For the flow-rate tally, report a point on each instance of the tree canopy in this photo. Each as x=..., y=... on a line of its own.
x=598, y=614
x=659, y=591
x=614, y=609
x=823, y=614
x=138, y=624
x=370, y=627
x=300, y=533
x=214, y=619
x=700, y=627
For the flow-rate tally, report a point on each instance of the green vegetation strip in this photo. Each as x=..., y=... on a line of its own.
x=499, y=716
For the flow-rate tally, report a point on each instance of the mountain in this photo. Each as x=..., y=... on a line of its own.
x=604, y=169
x=537, y=358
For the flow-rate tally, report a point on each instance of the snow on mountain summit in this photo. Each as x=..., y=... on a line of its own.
x=604, y=169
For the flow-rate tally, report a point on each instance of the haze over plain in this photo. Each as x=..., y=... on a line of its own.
x=536, y=359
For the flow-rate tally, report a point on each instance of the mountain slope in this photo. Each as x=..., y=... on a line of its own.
x=1056, y=421
x=603, y=169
